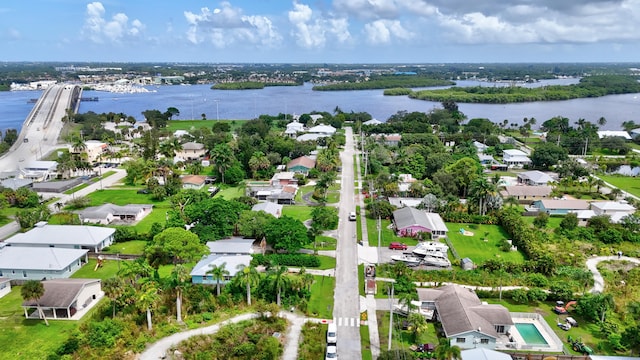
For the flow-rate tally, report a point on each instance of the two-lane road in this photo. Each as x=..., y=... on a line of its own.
x=346, y=311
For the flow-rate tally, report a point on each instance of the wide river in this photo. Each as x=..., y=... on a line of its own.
x=195, y=100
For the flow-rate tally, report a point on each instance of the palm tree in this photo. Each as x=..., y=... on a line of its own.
x=114, y=288
x=258, y=161
x=444, y=351
x=218, y=273
x=616, y=193
x=248, y=276
x=148, y=300
x=179, y=277
x=306, y=278
x=33, y=290
x=419, y=325
x=481, y=190
x=280, y=280
x=222, y=157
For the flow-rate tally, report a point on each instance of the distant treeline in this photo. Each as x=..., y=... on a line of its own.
x=248, y=85
x=386, y=82
x=592, y=86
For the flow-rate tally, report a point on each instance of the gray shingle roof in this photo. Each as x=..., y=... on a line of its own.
x=102, y=211
x=409, y=216
x=60, y=293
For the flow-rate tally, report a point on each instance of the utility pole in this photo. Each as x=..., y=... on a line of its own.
x=390, y=318
x=379, y=235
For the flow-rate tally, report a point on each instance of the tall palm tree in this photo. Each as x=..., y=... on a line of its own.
x=444, y=350
x=480, y=190
x=258, y=161
x=419, y=325
x=222, y=157
x=179, y=277
x=306, y=278
x=33, y=290
x=248, y=276
x=218, y=273
x=114, y=288
x=616, y=193
x=148, y=298
x=279, y=279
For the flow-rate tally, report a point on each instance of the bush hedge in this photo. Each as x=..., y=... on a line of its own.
x=297, y=260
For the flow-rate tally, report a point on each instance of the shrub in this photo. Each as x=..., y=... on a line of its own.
x=298, y=260
x=537, y=295
x=125, y=233
x=104, y=333
x=537, y=280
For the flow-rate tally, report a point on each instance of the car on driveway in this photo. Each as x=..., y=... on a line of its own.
x=397, y=246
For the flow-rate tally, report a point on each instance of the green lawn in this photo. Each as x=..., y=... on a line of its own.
x=29, y=339
x=365, y=343
x=302, y=213
x=302, y=191
x=387, y=235
x=108, y=270
x=326, y=262
x=174, y=125
x=158, y=214
x=323, y=243
x=321, y=300
x=231, y=192
x=553, y=223
x=401, y=339
x=134, y=247
x=476, y=248
x=627, y=183
x=122, y=197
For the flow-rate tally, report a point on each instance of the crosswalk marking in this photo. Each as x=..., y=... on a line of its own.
x=348, y=321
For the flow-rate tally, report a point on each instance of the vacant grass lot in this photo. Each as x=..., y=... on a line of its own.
x=110, y=269
x=626, y=183
x=134, y=247
x=231, y=192
x=326, y=262
x=387, y=235
x=302, y=213
x=476, y=248
x=323, y=243
x=29, y=339
x=321, y=300
x=122, y=197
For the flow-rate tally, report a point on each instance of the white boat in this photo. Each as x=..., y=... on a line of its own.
x=408, y=259
x=429, y=247
x=436, y=258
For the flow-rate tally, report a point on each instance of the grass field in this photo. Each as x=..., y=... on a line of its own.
x=122, y=197
x=231, y=192
x=174, y=125
x=29, y=339
x=326, y=262
x=302, y=213
x=401, y=339
x=323, y=243
x=134, y=247
x=387, y=235
x=476, y=248
x=108, y=270
x=321, y=300
x=626, y=183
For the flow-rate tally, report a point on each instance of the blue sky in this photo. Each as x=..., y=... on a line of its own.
x=317, y=31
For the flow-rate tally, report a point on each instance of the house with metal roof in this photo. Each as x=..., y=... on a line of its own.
x=92, y=238
x=108, y=213
x=514, y=157
x=231, y=246
x=612, y=207
x=535, y=178
x=269, y=207
x=322, y=129
x=409, y=221
x=372, y=122
x=614, y=133
x=466, y=321
x=526, y=194
x=195, y=182
x=560, y=207
x=65, y=299
x=232, y=263
x=301, y=165
x=39, y=170
x=484, y=354
x=37, y=263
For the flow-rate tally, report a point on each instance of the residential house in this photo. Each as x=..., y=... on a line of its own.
x=401, y=202
x=611, y=208
x=315, y=118
x=284, y=196
x=534, y=178
x=388, y=139
x=526, y=194
x=372, y=122
x=38, y=171
x=180, y=133
x=486, y=159
x=514, y=157
x=410, y=221
x=301, y=165
x=614, y=133
x=634, y=132
x=232, y=263
x=36, y=263
x=231, y=246
x=322, y=129
x=480, y=147
x=484, y=354
x=92, y=238
x=293, y=128
x=191, y=151
x=195, y=182
x=5, y=286
x=107, y=213
x=269, y=207
x=560, y=207
x=15, y=183
x=311, y=137
x=65, y=299
x=584, y=216
x=466, y=321
x=284, y=178
x=405, y=181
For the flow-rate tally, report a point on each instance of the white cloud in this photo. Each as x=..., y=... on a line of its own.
x=99, y=30
x=313, y=31
x=384, y=31
x=228, y=25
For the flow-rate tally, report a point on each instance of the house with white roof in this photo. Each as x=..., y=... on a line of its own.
x=327, y=130
x=5, y=286
x=614, y=133
x=107, y=213
x=372, y=122
x=37, y=263
x=480, y=147
x=232, y=263
x=91, y=238
x=40, y=170
x=311, y=137
x=269, y=207
x=634, y=132
x=293, y=128
x=611, y=208
x=231, y=246
x=514, y=157
x=65, y=299
x=535, y=178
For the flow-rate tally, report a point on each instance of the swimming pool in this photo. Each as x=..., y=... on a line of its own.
x=530, y=334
